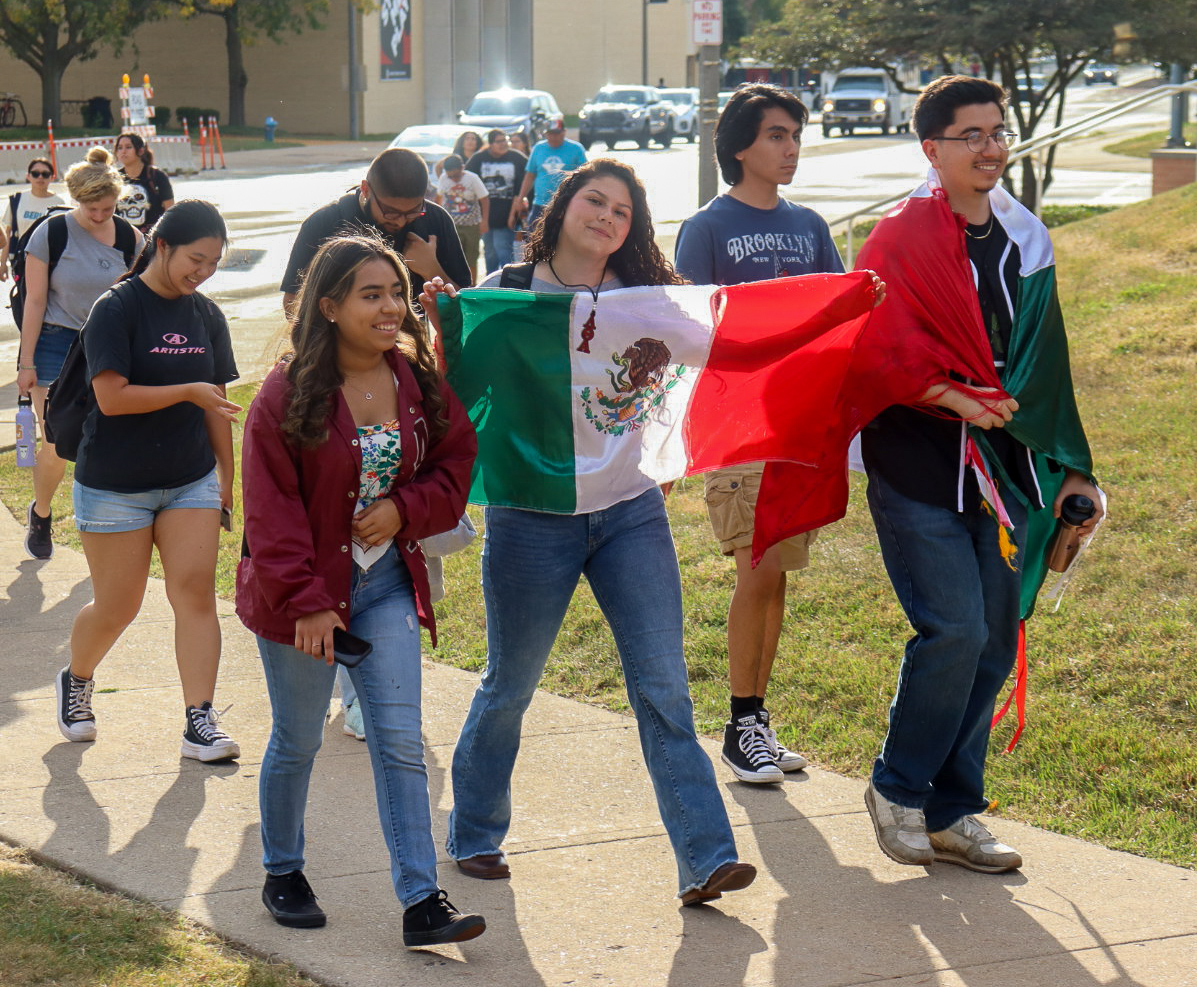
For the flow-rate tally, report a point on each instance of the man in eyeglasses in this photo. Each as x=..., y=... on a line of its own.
x=390, y=201
x=960, y=492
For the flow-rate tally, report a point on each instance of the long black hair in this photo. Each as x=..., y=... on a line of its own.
x=313, y=369
x=139, y=145
x=185, y=222
x=638, y=261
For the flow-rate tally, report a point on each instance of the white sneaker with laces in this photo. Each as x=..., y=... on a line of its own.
x=968, y=843
x=901, y=831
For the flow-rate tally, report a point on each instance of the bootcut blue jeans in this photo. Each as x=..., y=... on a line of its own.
x=388, y=685
x=962, y=600
x=531, y=565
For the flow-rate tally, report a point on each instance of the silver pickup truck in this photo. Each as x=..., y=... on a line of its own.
x=866, y=97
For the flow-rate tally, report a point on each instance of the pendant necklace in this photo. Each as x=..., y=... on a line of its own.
x=988, y=230
x=588, y=326
x=368, y=395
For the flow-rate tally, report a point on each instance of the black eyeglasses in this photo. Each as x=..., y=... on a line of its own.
x=398, y=215
x=977, y=141
x=41, y=174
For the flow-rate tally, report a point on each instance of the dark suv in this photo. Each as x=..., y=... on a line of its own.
x=626, y=113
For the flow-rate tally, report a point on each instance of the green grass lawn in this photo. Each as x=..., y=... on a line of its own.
x=1142, y=146
x=1110, y=752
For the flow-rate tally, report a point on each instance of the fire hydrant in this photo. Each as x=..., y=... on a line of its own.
x=271, y=127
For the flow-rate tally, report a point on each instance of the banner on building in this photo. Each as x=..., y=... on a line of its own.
x=395, y=23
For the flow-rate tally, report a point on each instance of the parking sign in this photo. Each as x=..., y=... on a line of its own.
x=708, y=22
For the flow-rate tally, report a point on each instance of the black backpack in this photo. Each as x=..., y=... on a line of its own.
x=71, y=398
x=126, y=243
x=517, y=276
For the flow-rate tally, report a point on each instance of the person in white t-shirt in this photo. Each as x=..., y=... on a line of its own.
x=23, y=209
x=464, y=196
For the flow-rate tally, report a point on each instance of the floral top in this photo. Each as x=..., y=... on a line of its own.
x=381, y=456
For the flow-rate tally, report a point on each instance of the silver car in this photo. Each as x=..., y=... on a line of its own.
x=433, y=142
x=685, y=111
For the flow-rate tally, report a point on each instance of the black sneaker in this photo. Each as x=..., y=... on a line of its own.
x=746, y=751
x=75, y=718
x=204, y=740
x=290, y=899
x=434, y=920
x=38, y=542
x=783, y=757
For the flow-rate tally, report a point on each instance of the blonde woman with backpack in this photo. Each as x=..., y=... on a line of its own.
x=70, y=260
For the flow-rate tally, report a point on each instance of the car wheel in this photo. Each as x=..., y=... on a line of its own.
x=585, y=140
x=693, y=135
x=885, y=130
x=665, y=137
x=845, y=131
x=826, y=131
x=645, y=138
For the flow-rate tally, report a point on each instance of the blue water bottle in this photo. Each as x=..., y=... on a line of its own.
x=26, y=432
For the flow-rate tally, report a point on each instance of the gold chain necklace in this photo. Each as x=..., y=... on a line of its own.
x=988, y=230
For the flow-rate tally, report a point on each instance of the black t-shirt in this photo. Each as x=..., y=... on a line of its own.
x=142, y=204
x=345, y=215
x=151, y=340
x=919, y=453
x=502, y=177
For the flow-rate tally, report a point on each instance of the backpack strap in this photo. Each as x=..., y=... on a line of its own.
x=14, y=203
x=126, y=239
x=57, y=234
x=517, y=276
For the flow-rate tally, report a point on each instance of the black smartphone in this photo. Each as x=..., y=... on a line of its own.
x=349, y=649
x=226, y=519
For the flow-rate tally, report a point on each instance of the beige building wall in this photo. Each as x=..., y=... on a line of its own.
x=304, y=82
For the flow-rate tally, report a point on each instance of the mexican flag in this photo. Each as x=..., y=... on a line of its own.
x=582, y=403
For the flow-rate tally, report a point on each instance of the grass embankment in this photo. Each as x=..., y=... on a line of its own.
x=60, y=932
x=1144, y=144
x=1111, y=750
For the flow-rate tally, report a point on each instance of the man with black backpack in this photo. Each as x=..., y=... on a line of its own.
x=68, y=259
x=26, y=208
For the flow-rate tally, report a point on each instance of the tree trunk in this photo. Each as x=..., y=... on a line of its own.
x=238, y=80
x=1030, y=192
x=51, y=71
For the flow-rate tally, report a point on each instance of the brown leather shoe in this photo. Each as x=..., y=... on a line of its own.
x=485, y=867
x=729, y=877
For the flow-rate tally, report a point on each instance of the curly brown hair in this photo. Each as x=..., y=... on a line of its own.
x=638, y=261
x=313, y=369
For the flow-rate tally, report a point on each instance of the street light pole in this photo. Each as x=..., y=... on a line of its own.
x=644, y=42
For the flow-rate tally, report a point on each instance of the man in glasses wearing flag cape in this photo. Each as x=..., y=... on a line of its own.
x=964, y=488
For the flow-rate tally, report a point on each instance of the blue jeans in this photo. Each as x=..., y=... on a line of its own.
x=530, y=567
x=962, y=600
x=498, y=246
x=388, y=687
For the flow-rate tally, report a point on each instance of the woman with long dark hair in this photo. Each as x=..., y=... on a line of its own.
x=155, y=468
x=149, y=194
x=597, y=235
x=355, y=448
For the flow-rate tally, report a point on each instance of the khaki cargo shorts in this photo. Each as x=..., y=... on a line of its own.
x=731, y=505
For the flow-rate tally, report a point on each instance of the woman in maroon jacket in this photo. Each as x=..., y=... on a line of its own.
x=355, y=449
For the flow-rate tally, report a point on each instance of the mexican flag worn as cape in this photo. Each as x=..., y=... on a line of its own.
x=672, y=380
x=920, y=252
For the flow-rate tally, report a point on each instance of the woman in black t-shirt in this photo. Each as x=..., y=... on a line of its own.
x=150, y=193
x=155, y=467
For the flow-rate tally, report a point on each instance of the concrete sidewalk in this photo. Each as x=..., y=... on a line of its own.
x=591, y=900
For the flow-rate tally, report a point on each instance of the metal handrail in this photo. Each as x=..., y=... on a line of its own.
x=1037, y=145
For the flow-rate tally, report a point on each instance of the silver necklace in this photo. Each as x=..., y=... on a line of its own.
x=368, y=395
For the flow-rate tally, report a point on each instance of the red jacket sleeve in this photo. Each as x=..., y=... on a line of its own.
x=277, y=530
x=434, y=499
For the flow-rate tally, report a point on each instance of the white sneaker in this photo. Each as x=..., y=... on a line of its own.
x=783, y=757
x=968, y=843
x=901, y=831
x=352, y=725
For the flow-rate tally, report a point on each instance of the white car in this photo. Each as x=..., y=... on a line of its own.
x=685, y=111
x=433, y=142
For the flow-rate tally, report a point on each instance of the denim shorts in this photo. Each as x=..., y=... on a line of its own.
x=102, y=511
x=52, y=346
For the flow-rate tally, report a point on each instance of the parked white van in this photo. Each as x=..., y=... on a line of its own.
x=864, y=97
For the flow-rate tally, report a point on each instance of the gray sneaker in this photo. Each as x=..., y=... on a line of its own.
x=968, y=843
x=901, y=830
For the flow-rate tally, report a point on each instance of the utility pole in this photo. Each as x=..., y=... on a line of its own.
x=707, y=27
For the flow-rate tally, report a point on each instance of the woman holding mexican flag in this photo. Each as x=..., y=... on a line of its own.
x=596, y=236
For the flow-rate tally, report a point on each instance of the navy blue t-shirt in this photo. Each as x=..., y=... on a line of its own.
x=730, y=242
x=152, y=340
